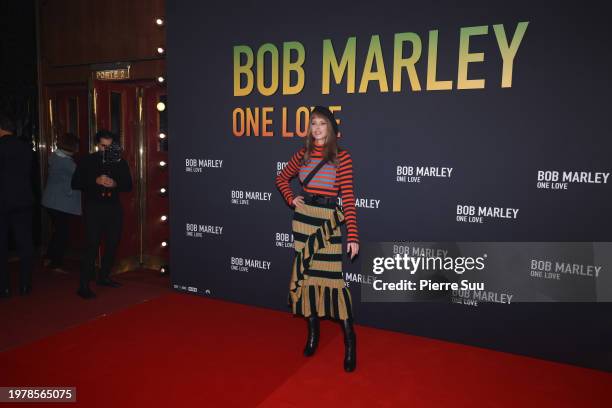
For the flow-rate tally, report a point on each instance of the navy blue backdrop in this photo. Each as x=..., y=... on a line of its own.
x=230, y=228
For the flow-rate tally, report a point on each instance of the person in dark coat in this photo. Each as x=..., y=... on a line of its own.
x=60, y=200
x=101, y=176
x=16, y=201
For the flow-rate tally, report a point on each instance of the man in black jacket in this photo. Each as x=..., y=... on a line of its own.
x=15, y=205
x=101, y=178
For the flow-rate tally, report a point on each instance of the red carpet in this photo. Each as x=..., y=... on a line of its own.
x=183, y=350
x=54, y=306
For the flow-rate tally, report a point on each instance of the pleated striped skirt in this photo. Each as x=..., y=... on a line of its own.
x=317, y=282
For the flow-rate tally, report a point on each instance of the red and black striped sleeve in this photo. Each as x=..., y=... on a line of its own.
x=345, y=183
x=284, y=177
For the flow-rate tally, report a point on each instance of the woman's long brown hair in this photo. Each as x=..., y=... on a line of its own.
x=330, y=149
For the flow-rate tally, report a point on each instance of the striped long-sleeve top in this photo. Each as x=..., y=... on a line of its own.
x=329, y=181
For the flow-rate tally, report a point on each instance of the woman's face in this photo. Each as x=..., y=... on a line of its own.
x=319, y=129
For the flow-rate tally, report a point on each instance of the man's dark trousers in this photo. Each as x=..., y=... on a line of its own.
x=103, y=220
x=20, y=221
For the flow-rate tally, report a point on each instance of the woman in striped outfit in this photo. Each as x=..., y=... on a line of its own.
x=317, y=287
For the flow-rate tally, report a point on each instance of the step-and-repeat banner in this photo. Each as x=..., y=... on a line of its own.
x=480, y=137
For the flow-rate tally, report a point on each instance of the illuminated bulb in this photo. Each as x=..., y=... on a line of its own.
x=162, y=135
x=160, y=50
x=164, y=218
x=162, y=190
x=162, y=163
x=159, y=21
x=161, y=79
x=161, y=106
x=164, y=244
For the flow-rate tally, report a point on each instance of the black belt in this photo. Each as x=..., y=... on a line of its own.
x=317, y=199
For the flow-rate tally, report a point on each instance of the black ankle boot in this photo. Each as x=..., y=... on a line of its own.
x=313, y=335
x=350, y=346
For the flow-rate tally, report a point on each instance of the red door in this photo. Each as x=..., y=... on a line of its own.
x=129, y=109
x=67, y=111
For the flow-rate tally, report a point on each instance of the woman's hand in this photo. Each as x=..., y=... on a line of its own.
x=353, y=249
x=298, y=201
